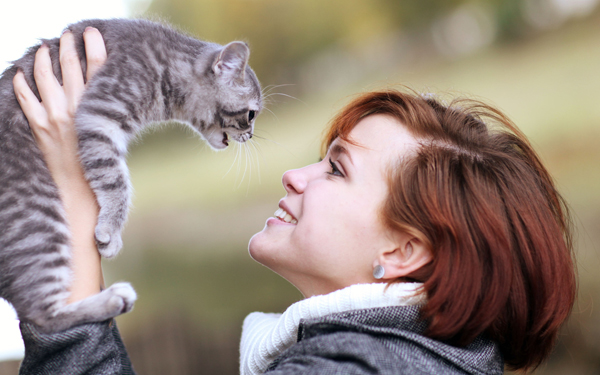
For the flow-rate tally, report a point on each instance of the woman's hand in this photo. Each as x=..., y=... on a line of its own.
x=52, y=125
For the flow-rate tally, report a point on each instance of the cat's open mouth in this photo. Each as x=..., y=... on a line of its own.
x=225, y=139
x=241, y=138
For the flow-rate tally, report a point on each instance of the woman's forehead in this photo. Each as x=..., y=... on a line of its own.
x=380, y=133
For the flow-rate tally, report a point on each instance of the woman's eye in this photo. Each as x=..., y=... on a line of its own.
x=335, y=171
x=251, y=115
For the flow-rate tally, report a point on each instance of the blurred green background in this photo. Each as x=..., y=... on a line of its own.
x=195, y=209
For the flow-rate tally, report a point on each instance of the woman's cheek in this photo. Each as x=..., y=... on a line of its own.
x=306, y=237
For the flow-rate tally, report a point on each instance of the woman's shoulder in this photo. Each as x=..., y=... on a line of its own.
x=387, y=340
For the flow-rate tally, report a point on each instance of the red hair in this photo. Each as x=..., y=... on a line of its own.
x=478, y=196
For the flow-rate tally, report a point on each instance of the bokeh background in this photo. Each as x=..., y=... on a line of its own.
x=195, y=210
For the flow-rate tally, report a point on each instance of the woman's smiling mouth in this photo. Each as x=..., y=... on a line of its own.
x=283, y=215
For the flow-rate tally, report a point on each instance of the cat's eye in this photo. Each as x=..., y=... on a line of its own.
x=251, y=115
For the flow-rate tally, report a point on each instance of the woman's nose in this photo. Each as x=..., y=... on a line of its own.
x=295, y=180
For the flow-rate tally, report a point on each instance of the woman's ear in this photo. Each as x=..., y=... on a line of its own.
x=410, y=255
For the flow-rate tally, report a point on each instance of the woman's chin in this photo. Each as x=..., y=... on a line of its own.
x=263, y=248
x=257, y=245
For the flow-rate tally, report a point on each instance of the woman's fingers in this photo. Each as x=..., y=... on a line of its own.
x=52, y=120
x=71, y=70
x=95, y=50
x=51, y=92
x=33, y=109
x=44, y=76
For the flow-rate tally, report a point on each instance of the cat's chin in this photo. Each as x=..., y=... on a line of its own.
x=217, y=140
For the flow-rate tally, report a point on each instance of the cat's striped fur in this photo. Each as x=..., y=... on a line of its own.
x=152, y=74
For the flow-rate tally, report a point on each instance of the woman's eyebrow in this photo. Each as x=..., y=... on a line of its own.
x=338, y=149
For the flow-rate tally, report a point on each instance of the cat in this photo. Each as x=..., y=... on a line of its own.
x=152, y=74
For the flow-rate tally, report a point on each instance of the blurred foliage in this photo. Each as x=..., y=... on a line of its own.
x=280, y=33
x=286, y=34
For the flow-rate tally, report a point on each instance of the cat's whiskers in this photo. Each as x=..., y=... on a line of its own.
x=269, y=96
x=234, y=159
x=245, y=165
x=249, y=156
x=251, y=152
x=272, y=141
x=273, y=113
x=240, y=154
x=254, y=147
x=267, y=89
x=239, y=166
x=258, y=147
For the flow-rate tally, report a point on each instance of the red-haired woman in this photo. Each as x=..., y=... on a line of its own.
x=429, y=239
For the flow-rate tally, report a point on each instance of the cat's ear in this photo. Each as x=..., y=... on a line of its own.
x=230, y=65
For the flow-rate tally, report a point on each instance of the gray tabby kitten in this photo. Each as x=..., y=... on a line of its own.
x=152, y=74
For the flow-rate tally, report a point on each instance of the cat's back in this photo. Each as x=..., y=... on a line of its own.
x=132, y=37
x=135, y=47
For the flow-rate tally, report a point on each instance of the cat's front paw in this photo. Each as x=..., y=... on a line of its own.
x=122, y=297
x=109, y=242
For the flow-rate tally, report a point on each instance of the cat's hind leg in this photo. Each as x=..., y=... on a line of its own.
x=36, y=274
x=111, y=302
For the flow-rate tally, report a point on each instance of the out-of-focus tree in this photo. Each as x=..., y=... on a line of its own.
x=280, y=33
x=420, y=13
x=284, y=34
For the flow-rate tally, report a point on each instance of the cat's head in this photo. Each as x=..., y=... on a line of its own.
x=237, y=97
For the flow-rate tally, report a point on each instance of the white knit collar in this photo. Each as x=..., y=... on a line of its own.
x=265, y=336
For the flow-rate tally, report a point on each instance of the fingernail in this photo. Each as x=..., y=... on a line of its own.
x=89, y=28
x=66, y=31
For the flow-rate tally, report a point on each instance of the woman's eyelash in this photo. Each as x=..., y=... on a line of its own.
x=335, y=171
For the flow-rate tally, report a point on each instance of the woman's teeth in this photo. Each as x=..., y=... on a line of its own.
x=283, y=215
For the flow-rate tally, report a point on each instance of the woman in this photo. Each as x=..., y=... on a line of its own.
x=429, y=239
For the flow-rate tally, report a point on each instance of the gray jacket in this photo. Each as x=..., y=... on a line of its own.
x=385, y=340
x=374, y=341
x=94, y=349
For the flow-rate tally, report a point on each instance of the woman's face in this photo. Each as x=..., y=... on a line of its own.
x=333, y=231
